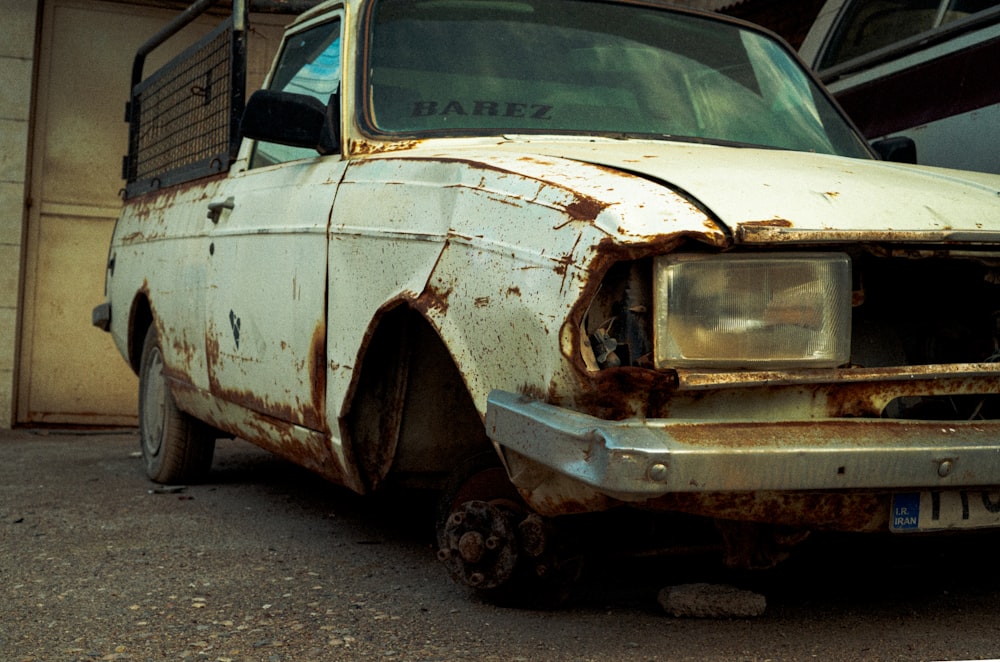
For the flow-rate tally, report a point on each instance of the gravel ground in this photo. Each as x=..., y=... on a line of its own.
x=269, y=563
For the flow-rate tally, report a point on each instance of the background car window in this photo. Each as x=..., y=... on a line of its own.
x=959, y=9
x=869, y=25
x=309, y=64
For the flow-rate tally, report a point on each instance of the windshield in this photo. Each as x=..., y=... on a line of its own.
x=489, y=67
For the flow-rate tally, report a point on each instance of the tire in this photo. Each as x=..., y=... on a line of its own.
x=176, y=447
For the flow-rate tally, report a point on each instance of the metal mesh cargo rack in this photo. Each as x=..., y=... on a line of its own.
x=184, y=119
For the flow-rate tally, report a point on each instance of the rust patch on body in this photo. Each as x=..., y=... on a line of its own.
x=307, y=449
x=144, y=205
x=536, y=160
x=585, y=208
x=619, y=393
x=311, y=414
x=533, y=392
x=186, y=351
x=773, y=223
x=838, y=511
x=851, y=392
x=307, y=416
x=317, y=375
x=363, y=147
x=433, y=299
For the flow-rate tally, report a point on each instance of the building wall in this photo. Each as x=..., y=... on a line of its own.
x=64, y=68
x=17, y=56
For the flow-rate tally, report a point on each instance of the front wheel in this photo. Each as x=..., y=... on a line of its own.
x=176, y=447
x=492, y=543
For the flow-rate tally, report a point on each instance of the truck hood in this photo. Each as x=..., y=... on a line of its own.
x=767, y=196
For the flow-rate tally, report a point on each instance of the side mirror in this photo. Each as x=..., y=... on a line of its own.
x=297, y=120
x=898, y=150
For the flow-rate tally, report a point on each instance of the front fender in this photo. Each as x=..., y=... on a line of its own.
x=499, y=254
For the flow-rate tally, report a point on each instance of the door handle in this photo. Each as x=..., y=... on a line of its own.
x=215, y=208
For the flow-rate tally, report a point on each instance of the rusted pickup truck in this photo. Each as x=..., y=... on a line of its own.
x=556, y=257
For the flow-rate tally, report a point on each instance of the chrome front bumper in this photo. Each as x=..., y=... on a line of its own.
x=634, y=460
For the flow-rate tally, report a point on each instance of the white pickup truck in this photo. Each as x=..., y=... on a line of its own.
x=556, y=257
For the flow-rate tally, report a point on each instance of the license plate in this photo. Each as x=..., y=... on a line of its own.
x=941, y=510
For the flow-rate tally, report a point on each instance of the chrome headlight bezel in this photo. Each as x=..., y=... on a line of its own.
x=752, y=311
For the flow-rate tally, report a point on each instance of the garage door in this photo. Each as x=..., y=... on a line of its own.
x=69, y=372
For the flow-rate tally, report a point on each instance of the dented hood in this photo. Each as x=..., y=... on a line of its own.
x=767, y=196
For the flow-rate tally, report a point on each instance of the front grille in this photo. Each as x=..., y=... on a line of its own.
x=928, y=311
x=922, y=311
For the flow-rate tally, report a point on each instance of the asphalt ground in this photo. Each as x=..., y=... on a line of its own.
x=268, y=562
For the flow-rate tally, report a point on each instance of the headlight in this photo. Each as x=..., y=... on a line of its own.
x=752, y=311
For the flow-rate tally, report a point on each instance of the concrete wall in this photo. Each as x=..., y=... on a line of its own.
x=17, y=46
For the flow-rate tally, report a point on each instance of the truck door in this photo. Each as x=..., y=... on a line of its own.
x=266, y=282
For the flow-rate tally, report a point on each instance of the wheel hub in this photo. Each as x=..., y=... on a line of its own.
x=479, y=544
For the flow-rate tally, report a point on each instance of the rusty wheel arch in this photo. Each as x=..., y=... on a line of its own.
x=410, y=418
x=140, y=318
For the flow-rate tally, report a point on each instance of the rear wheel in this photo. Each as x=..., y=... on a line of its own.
x=176, y=447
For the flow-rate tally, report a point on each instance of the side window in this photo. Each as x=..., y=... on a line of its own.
x=869, y=25
x=959, y=9
x=309, y=64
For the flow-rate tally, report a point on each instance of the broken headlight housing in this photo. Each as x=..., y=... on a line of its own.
x=752, y=311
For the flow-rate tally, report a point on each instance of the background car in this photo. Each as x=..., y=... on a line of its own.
x=924, y=69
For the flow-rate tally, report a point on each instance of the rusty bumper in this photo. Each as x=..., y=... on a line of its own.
x=637, y=460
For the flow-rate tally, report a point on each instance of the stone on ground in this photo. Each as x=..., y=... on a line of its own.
x=711, y=601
